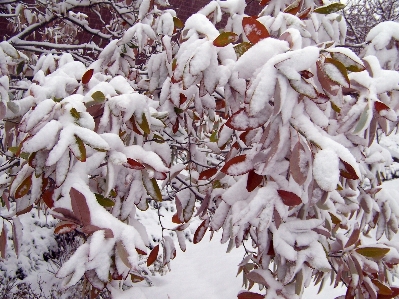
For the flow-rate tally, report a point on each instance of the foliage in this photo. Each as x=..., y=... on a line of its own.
x=265, y=131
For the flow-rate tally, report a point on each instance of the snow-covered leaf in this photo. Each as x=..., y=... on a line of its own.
x=200, y=232
x=208, y=173
x=330, y=8
x=237, y=166
x=294, y=7
x=254, y=30
x=65, y=227
x=151, y=186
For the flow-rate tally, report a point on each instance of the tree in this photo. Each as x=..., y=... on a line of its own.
x=264, y=130
x=363, y=15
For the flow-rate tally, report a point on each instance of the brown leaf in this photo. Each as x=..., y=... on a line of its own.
x=303, y=15
x=354, y=236
x=296, y=167
x=350, y=172
x=237, y=166
x=253, y=181
x=294, y=7
x=79, y=206
x=206, y=174
x=289, y=199
x=200, y=232
x=87, y=76
x=328, y=85
x=382, y=288
x=175, y=219
x=380, y=106
x=123, y=254
x=24, y=187
x=153, y=256
x=254, y=30
x=67, y=215
x=65, y=227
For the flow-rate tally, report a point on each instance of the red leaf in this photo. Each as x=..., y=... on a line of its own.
x=153, y=256
x=254, y=30
x=264, y=2
x=67, y=215
x=253, y=181
x=380, y=106
x=183, y=99
x=65, y=227
x=87, y=76
x=233, y=167
x=47, y=197
x=175, y=127
x=354, y=236
x=79, y=206
x=206, y=174
x=289, y=199
x=175, y=219
x=250, y=295
x=3, y=242
x=200, y=232
x=133, y=164
x=350, y=172
x=303, y=15
x=139, y=251
x=295, y=164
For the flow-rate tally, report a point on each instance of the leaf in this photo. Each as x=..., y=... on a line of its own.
x=241, y=48
x=123, y=254
x=305, y=88
x=79, y=206
x=237, y=166
x=373, y=252
x=82, y=150
x=364, y=117
x=105, y=202
x=304, y=15
x=144, y=125
x=98, y=96
x=200, y=232
x=241, y=121
x=133, y=164
x=3, y=242
x=350, y=172
x=289, y=199
x=250, y=295
x=330, y=8
x=254, y=30
x=153, y=256
x=325, y=82
x=178, y=23
x=151, y=186
x=225, y=38
x=65, y=227
x=87, y=76
x=382, y=288
x=20, y=67
x=294, y=7
x=296, y=165
x=348, y=62
x=253, y=181
x=354, y=236
x=47, y=197
x=135, y=278
x=206, y=174
x=380, y=106
x=24, y=187
x=175, y=219
x=338, y=66
x=17, y=235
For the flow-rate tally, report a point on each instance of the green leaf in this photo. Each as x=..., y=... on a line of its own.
x=178, y=23
x=364, y=117
x=335, y=107
x=151, y=186
x=98, y=96
x=348, y=62
x=214, y=136
x=75, y=114
x=330, y=8
x=225, y=38
x=82, y=149
x=105, y=202
x=241, y=48
x=341, y=68
x=20, y=67
x=373, y=252
x=144, y=125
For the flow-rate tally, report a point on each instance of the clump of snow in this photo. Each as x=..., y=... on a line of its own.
x=326, y=169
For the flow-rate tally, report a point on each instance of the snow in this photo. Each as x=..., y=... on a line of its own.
x=325, y=169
